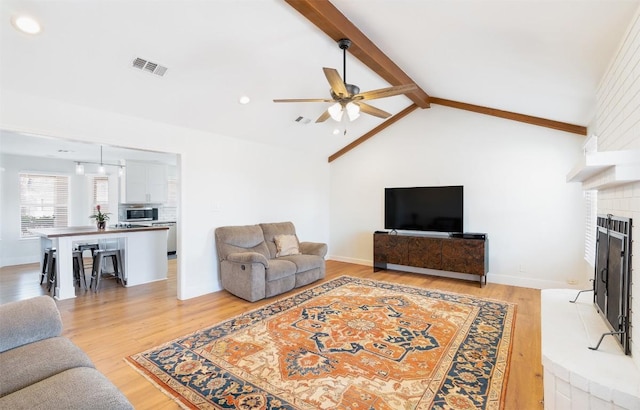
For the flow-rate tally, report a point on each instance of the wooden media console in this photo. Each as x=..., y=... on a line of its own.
x=462, y=255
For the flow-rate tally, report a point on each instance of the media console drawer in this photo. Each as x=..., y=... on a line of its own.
x=448, y=254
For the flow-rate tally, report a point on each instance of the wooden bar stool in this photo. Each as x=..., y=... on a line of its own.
x=45, y=264
x=99, y=264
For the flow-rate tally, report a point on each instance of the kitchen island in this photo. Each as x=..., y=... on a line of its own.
x=143, y=250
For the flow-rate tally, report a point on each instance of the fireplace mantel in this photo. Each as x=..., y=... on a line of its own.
x=574, y=376
x=606, y=169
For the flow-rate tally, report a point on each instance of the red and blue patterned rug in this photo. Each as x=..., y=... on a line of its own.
x=345, y=344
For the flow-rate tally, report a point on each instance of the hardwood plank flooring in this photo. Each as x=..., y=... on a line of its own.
x=117, y=322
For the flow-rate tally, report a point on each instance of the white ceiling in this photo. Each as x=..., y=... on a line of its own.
x=541, y=58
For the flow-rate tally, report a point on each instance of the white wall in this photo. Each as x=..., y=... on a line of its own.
x=514, y=190
x=223, y=181
x=617, y=126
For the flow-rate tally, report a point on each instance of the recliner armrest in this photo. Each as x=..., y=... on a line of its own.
x=248, y=257
x=28, y=321
x=313, y=248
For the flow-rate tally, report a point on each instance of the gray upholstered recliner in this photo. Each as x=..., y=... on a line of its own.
x=256, y=261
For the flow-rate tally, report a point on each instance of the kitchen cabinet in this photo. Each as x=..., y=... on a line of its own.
x=145, y=182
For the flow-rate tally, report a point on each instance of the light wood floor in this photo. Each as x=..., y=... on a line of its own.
x=118, y=322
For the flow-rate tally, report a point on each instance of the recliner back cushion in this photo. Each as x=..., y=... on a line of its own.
x=270, y=230
x=234, y=239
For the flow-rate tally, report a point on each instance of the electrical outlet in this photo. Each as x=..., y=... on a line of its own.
x=521, y=268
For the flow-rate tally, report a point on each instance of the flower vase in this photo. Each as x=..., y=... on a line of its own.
x=101, y=224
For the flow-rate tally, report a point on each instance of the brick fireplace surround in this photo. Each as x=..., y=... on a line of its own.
x=574, y=376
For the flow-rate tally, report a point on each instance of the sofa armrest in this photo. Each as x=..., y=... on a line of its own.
x=313, y=248
x=248, y=257
x=27, y=321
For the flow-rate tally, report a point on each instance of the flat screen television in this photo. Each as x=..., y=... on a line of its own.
x=435, y=209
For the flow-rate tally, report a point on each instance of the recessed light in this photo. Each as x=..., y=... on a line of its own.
x=244, y=100
x=336, y=131
x=26, y=24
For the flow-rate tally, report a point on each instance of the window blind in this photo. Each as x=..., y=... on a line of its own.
x=172, y=191
x=591, y=213
x=44, y=202
x=99, y=194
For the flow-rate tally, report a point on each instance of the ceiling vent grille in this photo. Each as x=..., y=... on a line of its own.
x=148, y=66
x=302, y=120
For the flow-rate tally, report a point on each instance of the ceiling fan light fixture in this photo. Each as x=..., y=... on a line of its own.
x=353, y=111
x=335, y=111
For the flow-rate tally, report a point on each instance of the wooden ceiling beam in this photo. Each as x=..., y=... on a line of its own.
x=528, y=119
x=334, y=24
x=374, y=131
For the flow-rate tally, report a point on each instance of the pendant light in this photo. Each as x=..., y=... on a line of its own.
x=101, y=170
x=101, y=165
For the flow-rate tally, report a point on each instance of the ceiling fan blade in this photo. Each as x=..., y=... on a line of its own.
x=288, y=100
x=385, y=92
x=336, y=82
x=325, y=115
x=371, y=110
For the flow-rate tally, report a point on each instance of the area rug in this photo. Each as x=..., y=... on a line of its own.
x=348, y=343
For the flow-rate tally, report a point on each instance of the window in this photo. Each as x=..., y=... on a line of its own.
x=172, y=191
x=591, y=213
x=591, y=209
x=99, y=194
x=44, y=202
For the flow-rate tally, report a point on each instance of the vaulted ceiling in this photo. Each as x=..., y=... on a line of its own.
x=536, y=58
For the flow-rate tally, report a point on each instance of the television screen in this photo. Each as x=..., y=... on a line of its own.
x=438, y=209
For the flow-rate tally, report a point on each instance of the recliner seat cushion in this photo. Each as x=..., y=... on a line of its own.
x=304, y=262
x=279, y=269
x=33, y=362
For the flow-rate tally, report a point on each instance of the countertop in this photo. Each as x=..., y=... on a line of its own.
x=90, y=230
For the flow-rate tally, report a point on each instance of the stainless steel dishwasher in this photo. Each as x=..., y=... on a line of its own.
x=171, y=236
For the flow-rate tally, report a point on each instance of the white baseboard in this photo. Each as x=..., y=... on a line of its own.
x=19, y=260
x=529, y=282
x=350, y=260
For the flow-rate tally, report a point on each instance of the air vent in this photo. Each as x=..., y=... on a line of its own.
x=303, y=120
x=148, y=66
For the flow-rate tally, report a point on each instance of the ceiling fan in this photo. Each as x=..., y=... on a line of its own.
x=347, y=97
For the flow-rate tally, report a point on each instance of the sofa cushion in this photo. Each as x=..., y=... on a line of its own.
x=270, y=230
x=24, y=323
x=286, y=245
x=37, y=361
x=237, y=239
x=304, y=262
x=279, y=269
x=80, y=388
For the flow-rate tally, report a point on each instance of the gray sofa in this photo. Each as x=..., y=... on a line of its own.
x=260, y=261
x=39, y=369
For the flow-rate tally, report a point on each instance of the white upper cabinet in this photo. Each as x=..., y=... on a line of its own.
x=145, y=182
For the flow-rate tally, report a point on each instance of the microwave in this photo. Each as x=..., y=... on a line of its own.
x=139, y=214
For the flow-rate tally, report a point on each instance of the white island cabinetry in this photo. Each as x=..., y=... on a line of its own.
x=145, y=182
x=143, y=250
